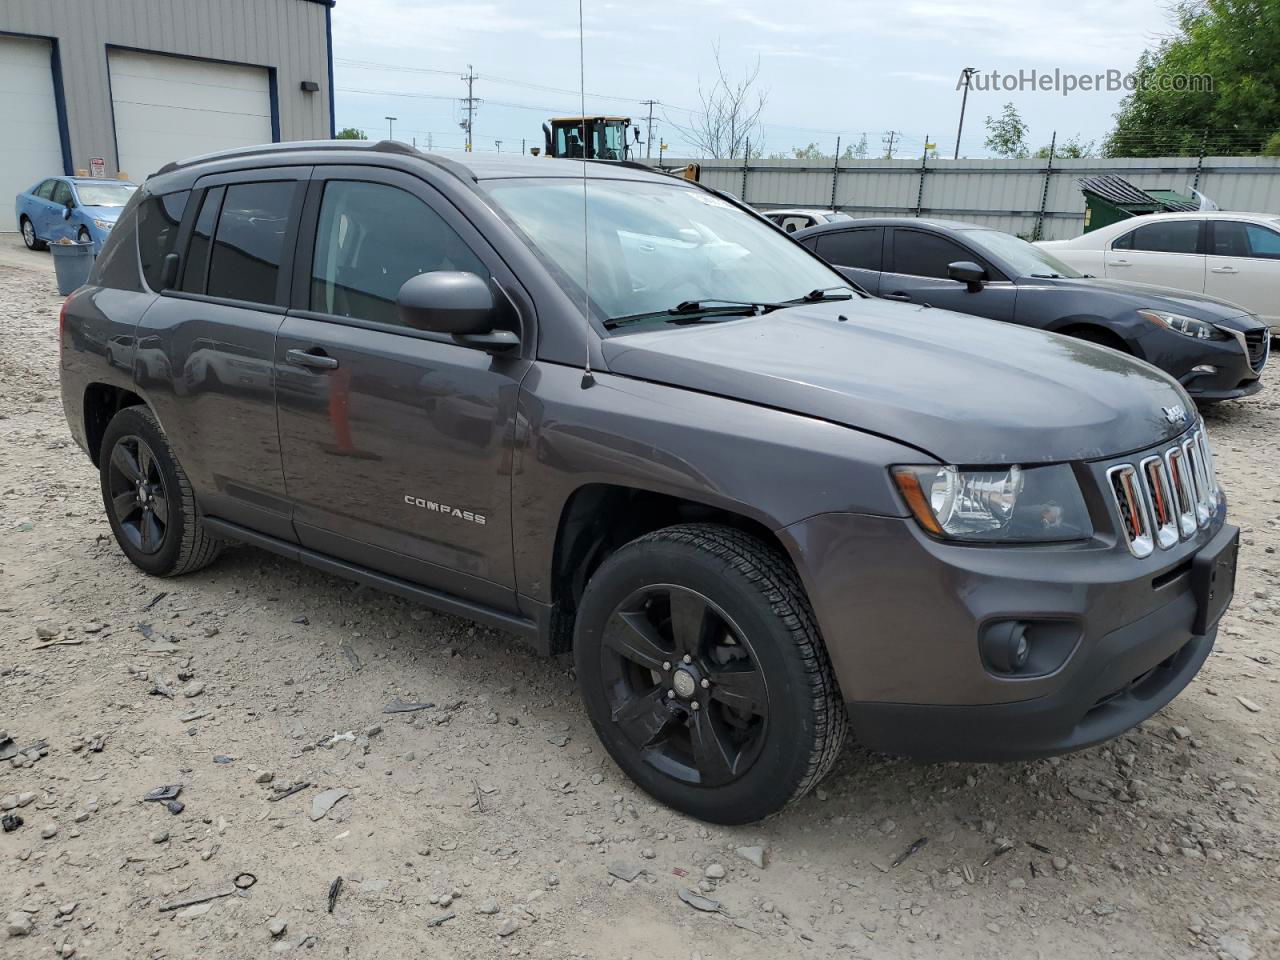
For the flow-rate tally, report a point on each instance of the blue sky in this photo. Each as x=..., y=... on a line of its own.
x=830, y=67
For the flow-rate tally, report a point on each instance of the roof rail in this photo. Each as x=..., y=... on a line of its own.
x=299, y=146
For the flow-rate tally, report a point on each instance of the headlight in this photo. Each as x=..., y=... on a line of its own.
x=1027, y=504
x=1187, y=326
x=103, y=224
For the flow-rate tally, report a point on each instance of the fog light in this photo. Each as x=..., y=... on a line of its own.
x=1005, y=646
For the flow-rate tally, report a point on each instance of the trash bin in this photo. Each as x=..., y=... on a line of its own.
x=71, y=263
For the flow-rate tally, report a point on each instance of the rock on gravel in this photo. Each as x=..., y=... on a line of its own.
x=322, y=803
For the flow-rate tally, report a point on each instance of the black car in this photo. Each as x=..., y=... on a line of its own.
x=1215, y=349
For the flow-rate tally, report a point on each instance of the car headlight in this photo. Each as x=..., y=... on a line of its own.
x=1021, y=504
x=1187, y=326
x=103, y=224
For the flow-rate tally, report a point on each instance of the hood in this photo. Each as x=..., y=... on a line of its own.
x=110, y=214
x=963, y=389
x=1147, y=295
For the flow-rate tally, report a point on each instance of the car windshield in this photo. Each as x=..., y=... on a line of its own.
x=1026, y=259
x=657, y=246
x=838, y=216
x=105, y=194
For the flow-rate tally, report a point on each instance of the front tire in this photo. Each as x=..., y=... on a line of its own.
x=704, y=675
x=83, y=236
x=148, y=499
x=29, y=235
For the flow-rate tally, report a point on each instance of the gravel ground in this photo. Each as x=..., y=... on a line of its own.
x=492, y=824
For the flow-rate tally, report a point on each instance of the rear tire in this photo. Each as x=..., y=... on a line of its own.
x=720, y=619
x=29, y=235
x=149, y=502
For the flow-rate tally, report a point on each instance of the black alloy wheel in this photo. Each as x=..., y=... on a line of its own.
x=704, y=674
x=138, y=495
x=684, y=686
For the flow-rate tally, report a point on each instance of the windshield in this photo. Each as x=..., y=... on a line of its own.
x=105, y=194
x=657, y=245
x=838, y=216
x=1026, y=259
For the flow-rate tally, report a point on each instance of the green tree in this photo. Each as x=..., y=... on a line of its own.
x=1073, y=148
x=351, y=133
x=857, y=151
x=1214, y=84
x=1007, y=134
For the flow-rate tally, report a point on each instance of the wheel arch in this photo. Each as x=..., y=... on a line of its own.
x=1093, y=329
x=102, y=401
x=598, y=518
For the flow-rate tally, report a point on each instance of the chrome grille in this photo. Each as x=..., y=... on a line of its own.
x=1258, y=344
x=1168, y=495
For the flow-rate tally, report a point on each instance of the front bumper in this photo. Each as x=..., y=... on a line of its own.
x=1226, y=372
x=902, y=614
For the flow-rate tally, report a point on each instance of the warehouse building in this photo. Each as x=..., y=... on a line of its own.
x=110, y=86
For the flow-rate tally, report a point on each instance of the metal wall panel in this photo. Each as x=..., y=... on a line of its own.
x=287, y=36
x=1003, y=194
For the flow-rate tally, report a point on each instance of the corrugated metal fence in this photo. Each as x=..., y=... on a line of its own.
x=1018, y=196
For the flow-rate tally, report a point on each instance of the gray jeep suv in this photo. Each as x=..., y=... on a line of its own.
x=758, y=507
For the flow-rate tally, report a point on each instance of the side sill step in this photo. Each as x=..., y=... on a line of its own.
x=526, y=629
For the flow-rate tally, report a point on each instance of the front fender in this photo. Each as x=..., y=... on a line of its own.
x=772, y=466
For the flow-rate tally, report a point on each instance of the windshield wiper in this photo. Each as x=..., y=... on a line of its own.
x=1046, y=276
x=824, y=294
x=695, y=311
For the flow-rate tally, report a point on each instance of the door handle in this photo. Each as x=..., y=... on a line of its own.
x=1224, y=270
x=315, y=358
x=897, y=295
x=1117, y=263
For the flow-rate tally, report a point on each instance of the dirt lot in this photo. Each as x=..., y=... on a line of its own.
x=487, y=824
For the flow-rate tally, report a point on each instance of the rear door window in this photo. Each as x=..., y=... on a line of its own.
x=248, y=246
x=852, y=248
x=1163, y=236
x=158, y=221
x=370, y=239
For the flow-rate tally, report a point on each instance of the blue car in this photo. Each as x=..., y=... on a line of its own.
x=83, y=209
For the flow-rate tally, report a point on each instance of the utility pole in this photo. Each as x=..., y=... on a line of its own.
x=390, y=121
x=966, y=77
x=648, y=137
x=498, y=144
x=887, y=140
x=470, y=103
x=430, y=145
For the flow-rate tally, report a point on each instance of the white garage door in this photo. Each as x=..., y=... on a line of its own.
x=29, y=145
x=168, y=108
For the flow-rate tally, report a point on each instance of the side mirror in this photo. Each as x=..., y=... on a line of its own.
x=66, y=211
x=459, y=304
x=968, y=273
x=636, y=130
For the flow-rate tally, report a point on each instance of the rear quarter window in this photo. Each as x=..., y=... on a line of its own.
x=117, y=265
x=158, y=221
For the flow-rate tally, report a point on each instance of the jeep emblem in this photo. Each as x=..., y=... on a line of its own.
x=1175, y=414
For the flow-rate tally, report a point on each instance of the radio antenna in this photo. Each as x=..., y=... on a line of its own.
x=587, y=379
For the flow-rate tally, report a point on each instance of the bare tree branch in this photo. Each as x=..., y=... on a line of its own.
x=729, y=114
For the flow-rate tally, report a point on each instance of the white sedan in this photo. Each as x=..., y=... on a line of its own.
x=798, y=218
x=1232, y=256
